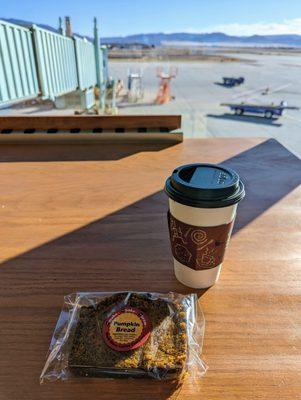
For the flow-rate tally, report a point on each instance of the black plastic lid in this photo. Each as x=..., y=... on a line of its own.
x=205, y=186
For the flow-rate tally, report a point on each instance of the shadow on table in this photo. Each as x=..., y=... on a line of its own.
x=270, y=172
x=123, y=389
x=76, y=152
x=247, y=118
x=133, y=242
x=129, y=250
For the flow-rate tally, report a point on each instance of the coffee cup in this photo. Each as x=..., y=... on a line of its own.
x=203, y=199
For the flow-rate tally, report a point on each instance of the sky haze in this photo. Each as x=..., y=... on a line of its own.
x=123, y=17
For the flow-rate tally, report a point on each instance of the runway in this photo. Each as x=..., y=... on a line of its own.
x=198, y=95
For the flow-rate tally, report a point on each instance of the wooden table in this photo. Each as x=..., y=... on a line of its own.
x=100, y=225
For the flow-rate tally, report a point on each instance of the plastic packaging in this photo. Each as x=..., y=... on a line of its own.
x=127, y=334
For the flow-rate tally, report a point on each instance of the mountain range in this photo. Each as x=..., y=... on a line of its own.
x=215, y=38
x=158, y=39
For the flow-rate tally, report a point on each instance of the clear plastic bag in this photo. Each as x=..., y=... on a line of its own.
x=127, y=334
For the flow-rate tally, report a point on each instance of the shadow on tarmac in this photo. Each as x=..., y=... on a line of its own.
x=224, y=86
x=247, y=118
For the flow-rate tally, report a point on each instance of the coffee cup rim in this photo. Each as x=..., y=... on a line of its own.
x=191, y=195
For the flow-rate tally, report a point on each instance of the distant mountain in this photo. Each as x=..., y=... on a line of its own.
x=158, y=39
x=215, y=38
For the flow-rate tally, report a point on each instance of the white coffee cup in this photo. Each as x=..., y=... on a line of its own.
x=203, y=200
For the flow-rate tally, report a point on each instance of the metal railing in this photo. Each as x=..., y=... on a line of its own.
x=56, y=63
x=86, y=66
x=37, y=62
x=18, y=74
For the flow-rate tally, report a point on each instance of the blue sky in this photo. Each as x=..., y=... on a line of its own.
x=122, y=17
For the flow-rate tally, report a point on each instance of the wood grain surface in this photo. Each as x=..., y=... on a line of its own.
x=90, y=122
x=99, y=224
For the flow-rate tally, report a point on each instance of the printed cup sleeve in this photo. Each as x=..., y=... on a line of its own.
x=198, y=247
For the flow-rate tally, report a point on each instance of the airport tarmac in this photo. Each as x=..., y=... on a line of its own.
x=198, y=95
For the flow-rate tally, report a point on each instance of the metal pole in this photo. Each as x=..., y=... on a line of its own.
x=114, y=95
x=61, y=29
x=99, y=64
x=68, y=26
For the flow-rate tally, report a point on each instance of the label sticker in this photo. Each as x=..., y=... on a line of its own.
x=198, y=247
x=126, y=329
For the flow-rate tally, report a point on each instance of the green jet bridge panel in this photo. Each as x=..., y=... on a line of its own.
x=56, y=63
x=105, y=63
x=18, y=74
x=38, y=62
x=86, y=66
